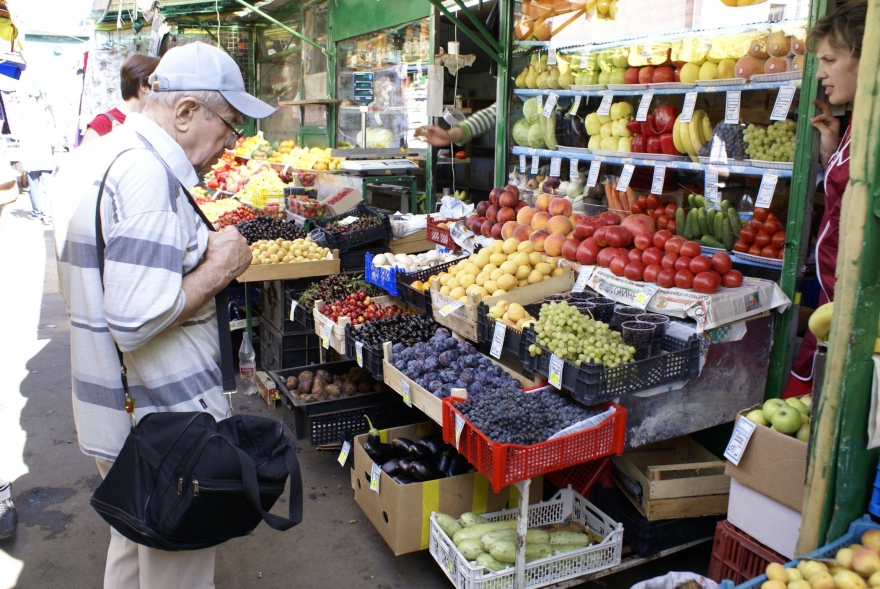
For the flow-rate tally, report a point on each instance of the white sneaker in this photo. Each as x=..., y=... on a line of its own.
x=8, y=519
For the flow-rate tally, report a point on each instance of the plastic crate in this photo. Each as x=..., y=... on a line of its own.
x=738, y=557
x=331, y=422
x=355, y=260
x=278, y=351
x=592, y=383
x=384, y=278
x=582, y=477
x=302, y=316
x=440, y=235
x=276, y=298
x=564, y=507
x=874, y=504
x=371, y=358
x=414, y=297
x=513, y=340
x=649, y=538
x=505, y=464
x=348, y=241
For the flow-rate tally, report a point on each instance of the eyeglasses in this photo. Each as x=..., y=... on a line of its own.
x=236, y=134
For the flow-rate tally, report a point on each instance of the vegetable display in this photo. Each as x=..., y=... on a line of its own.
x=763, y=236
x=342, y=227
x=310, y=387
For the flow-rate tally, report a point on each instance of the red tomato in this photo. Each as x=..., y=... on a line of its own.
x=771, y=227
x=606, y=256
x=636, y=209
x=659, y=212
x=690, y=249
x=643, y=241
x=754, y=251
x=673, y=245
x=772, y=217
x=652, y=255
x=599, y=236
x=781, y=255
x=669, y=261
x=700, y=264
x=778, y=240
x=670, y=210
x=634, y=271
x=672, y=227
x=762, y=239
x=460, y=155
x=617, y=236
x=666, y=278
x=653, y=201
x=721, y=263
x=651, y=272
x=634, y=255
x=643, y=202
x=756, y=224
x=741, y=246
x=684, y=279
x=682, y=263
x=661, y=237
x=618, y=265
x=705, y=282
x=716, y=275
x=732, y=279
x=747, y=234
x=769, y=251
x=663, y=222
x=760, y=214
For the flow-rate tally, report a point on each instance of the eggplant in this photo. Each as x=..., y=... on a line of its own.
x=434, y=444
x=390, y=467
x=579, y=132
x=459, y=466
x=379, y=453
x=420, y=451
x=424, y=471
x=403, y=479
x=402, y=446
x=403, y=466
x=373, y=433
x=444, y=462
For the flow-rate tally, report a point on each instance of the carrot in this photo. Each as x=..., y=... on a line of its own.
x=608, y=194
x=624, y=200
x=613, y=200
x=630, y=195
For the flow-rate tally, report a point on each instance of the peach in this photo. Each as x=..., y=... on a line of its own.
x=523, y=232
x=553, y=244
x=492, y=212
x=496, y=230
x=822, y=580
x=506, y=214
x=542, y=203
x=508, y=228
x=560, y=224
x=865, y=562
x=486, y=227
x=507, y=199
x=540, y=220
x=538, y=238
x=849, y=580
x=871, y=538
x=559, y=206
x=525, y=214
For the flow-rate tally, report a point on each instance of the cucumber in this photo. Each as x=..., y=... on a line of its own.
x=727, y=235
x=480, y=530
x=569, y=538
x=447, y=524
x=470, y=548
x=719, y=220
x=735, y=223
x=696, y=232
x=701, y=201
x=725, y=205
x=710, y=241
x=710, y=220
x=692, y=200
x=471, y=519
x=533, y=536
x=686, y=228
x=704, y=226
x=505, y=551
x=486, y=560
x=679, y=221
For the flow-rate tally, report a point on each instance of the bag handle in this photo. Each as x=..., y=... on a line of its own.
x=252, y=493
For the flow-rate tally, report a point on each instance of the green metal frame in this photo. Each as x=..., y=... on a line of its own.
x=503, y=93
x=486, y=43
x=277, y=22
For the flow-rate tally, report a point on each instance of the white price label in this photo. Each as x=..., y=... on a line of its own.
x=556, y=366
x=710, y=190
x=644, y=105
x=293, y=306
x=585, y=59
x=647, y=49
x=687, y=109
x=550, y=105
x=643, y=297
x=536, y=164
x=731, y=107
x=540, y=101
x=359, y=353
x=555, y=166
x=625, y=176
x=551, y=54
x=593, y=176
x=343, y=455
x=328, y=329
x=446, y=310
x=575, y=104
x=459, y=427
x=572, y=169
x=498, y=339
x=658, y=179
x=523, y=164
x=584, y=274
x=739, y=440
x=404, y=392
x=348, y=220
x=783, y=103
x=605, y=105
x=375, y=474
x=765, y=193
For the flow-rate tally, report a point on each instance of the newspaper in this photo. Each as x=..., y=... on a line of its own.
x=728, y=305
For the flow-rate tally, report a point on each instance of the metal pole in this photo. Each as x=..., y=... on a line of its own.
x=522, y=524
x=471, y=35
x=490, y=39
x=282, y=25
x=502, y=97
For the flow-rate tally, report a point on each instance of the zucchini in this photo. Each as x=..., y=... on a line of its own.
x=719, y=225
x=727, y=235
x=535, y=536
x=735, y=223
x=704, y=225
x=486, y=560
x=471, y=519
x=561, y=548
x=569, y=538
x=710, y=241
x=480, y=530
x=470, y=548
x=710, y=220
x=505, y=551
x=447, y=523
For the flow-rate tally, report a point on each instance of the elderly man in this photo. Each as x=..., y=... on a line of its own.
x=162, y=267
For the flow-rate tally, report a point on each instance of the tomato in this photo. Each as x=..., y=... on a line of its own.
x=672, y=227
x=634, y=271
x=659, y=212
x=643, y=241
x=771, y=227
x=747, y=234
x=671, y=208
x=682, y=263
x=690, y=249
x=700, y=264
x=760, y=214
x=756, y=224
x=772, y=217
x=706, y=282
x=769, y=251
x=607, y=255
x=781, y=255
x=643, y=202
x=460, y=155
x=636, y=209
x=721, y=262
x=651, y=272
x=754, y=251
x=716, y=275
x=653, y=201
x=634, y=255
x=617, y=236
x=669, y=261
x=666, y=278
x=673, y=245
x=762, y=239
x=684, y=279
x=599, y=236
x=652, y=255
x=778, y=240
x=732, y=279
x=661, y=237
x=618, y=265
x=662, y=222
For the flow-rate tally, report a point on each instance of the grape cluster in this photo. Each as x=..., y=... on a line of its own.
x=511, y=416
x=361, y=223
x=731, y=136
x=402, y=329
x=772, y=144
x=270, y=229
x=570, y=335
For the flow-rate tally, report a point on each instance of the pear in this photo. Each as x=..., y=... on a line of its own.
x=533, y=61
x=543, y=78
x=542, y=64
x=521, y=78
x=566, y=80
x=562, y=64
x=553, y=80
x=532, y=78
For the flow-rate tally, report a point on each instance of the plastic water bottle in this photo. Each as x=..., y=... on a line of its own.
x=247, y=367
x=746, y=206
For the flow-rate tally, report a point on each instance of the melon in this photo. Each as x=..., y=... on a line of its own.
x=758, y=48
x=747, y=67
x=796, y=64
x=778, y=44
x=775, y=65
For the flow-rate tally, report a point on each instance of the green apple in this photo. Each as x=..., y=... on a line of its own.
x=787, y=420
x=808, y=401
x=797, y=404
x=619, y=59
x=757, y=416
x=618, y=76
x=603, y=77
x=770, y=407
x=803, y=433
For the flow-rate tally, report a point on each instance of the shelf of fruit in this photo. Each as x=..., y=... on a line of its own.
x=735, y=84
x=282, y=259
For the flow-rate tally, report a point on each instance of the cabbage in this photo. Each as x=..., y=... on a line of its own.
x=531, y=111
x=521, y=132
x=378, y=139
x=536, y=136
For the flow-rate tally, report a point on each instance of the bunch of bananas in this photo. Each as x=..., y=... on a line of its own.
x=690, y=137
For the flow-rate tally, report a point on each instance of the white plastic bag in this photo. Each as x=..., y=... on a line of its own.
x=673, y=580
x=452, y=208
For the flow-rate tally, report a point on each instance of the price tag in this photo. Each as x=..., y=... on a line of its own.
x=555, y=165
x=625, y=176
x=783, y=103
x=687, y=109
x=359, y=353
x=575, y=104
x=550, y=105
x=593, y=176
x=556, y=366
x=605, y=105
x=551, y=54
x=375, y=473
x=731, y=108
x=572, y=169
x=348, y=220
x=647, y=49
x=710, y=191
x=658, y=179
x=523, y=164
x=644, y=105
x=293, y=306
x=446, y=310
x=404, y=392
x=768, y=187
x=644, y=296
x=498, y=339
x=459, y=426
x=585, y=59
x=584, y=274
x=739, y=440
x=343, y=455
x=536, y=164
x=328, y=329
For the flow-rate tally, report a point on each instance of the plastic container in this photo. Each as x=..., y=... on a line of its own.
x=565, y=506
x=505, y=464
x=384, y=278
x=277, y=296
x=874, y=505
x=247, y=366
x=621, y=314
x=371, y=358
x=738, y=557
x=355, y=260
x=592, y=383
x=278, y=351
x=414, y=297
x=639, y=335
x=440, y=235
x=661, y=321
x=582, y=477
x=513, y=339
x=356, y=239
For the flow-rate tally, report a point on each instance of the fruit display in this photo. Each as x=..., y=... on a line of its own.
x=214, y=208
x=280, y=251
x=311, y=387
x=691, y=136
x=263, y=228
x=512, y=314
x=238, y=215
x=302, y=205
x=400, y=328
x=611, y=132
x=664, y=215
x=200, y=195
x=790, y=417
x=712, y=228
x=359, y=307
x=231, y=176
x=266, y=179
x=763, y=236
x=408, y=462
x=772, y=144
x=656, y=133
x=444, y=363
x=731, y=141
x=334, y=288
x=341, y=226
x=313, y=158
x=502, y=208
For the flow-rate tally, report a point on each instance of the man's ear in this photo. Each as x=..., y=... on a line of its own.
x=184, y=113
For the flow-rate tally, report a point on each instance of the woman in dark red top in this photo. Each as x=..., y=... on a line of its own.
x=135, y=87
x=837, y=41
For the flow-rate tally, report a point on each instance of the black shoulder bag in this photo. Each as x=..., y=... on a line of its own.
x=184, y=481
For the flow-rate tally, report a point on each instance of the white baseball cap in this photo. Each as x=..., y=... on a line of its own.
x=199, y=66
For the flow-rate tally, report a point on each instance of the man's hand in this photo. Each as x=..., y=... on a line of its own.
x=438, y=136
x=229, y=252
x=829, y=129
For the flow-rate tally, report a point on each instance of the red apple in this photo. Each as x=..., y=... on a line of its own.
x=646, y=74
x=639, y=143
x=653, y=147
x=664, y=118
x=507, y=199
x=631, y=76
x=667, y=144
x=570, y=249
x=663, y=75
x=677, y=74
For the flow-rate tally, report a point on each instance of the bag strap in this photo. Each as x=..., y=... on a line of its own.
x=252, y=488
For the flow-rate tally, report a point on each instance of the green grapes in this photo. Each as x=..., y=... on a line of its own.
x=772, y=144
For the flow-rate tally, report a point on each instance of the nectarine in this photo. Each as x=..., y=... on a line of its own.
x=540, y=219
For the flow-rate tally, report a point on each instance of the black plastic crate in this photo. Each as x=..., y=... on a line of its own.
x=513, y=340
x=276, y=302
x=371, y=357
x=303, y=317
x=279, y=351
x=592, y=383
x=414, y=297
x=330, y=422
x=348, y=241
x=649, y=538
x=355, y=260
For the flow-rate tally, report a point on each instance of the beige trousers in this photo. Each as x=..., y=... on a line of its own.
x=134, y=566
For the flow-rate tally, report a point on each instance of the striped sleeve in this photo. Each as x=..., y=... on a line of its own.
x=477, y=124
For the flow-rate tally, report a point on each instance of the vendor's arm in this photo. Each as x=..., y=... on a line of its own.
x=477, y=124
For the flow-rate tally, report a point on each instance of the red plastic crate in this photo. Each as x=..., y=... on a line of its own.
x=505, y=464
x=440, y=235
x=583, y=477
x=738, y=557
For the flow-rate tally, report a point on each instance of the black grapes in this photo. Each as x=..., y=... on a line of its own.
x=269, y=228
x=731, y=136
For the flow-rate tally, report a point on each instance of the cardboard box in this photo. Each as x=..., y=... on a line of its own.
x=267, y=390
x=769, y=522
x=773, y=464
x=348, y=202
x=401, y=512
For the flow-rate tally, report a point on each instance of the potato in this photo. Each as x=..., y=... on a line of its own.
x=291, y=383
x=378, y=387
x=305, y=382
x=333, y=391
x=364, y=388
x=318, y=385
x=348, y=388
x=325, y=376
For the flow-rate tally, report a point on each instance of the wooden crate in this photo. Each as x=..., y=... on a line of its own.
x=291, y=270
x=337, y=332
x=673, y=479
x=411, y=244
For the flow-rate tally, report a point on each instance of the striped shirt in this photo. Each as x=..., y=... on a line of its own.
x=153, y=238
x=477, y=124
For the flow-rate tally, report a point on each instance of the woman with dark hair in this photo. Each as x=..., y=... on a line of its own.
x=837, y=42
x=135, y=88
